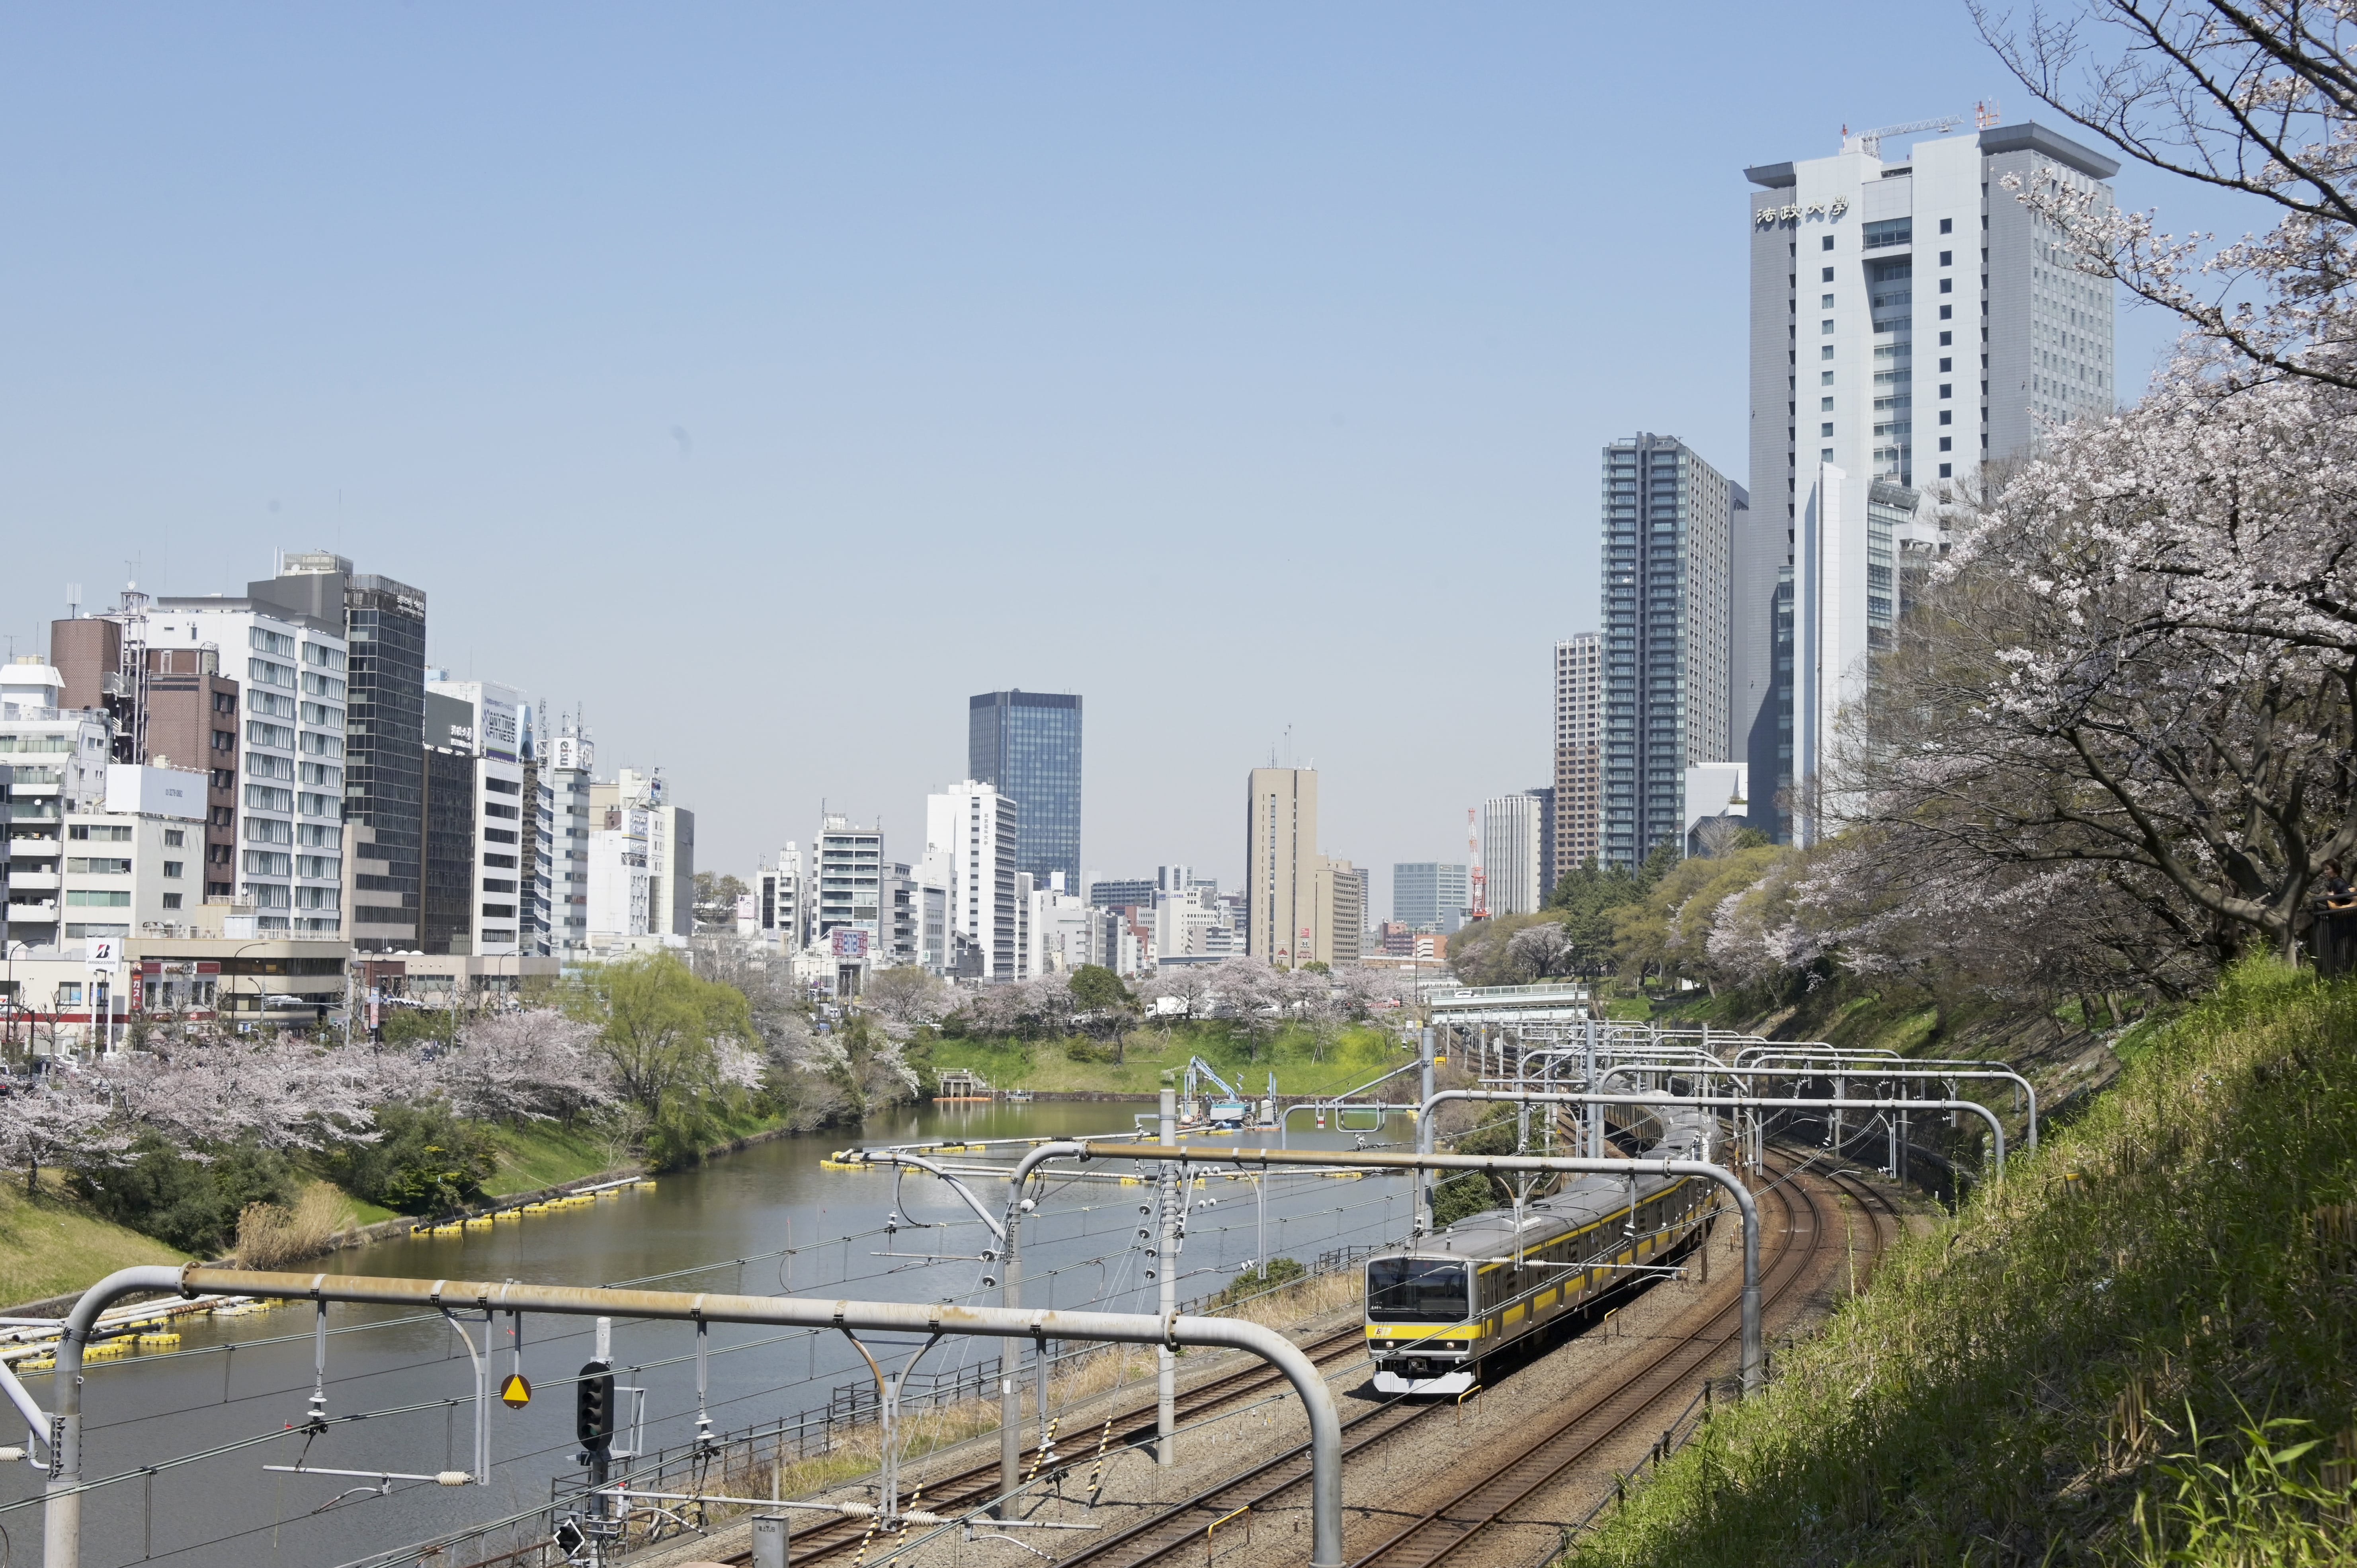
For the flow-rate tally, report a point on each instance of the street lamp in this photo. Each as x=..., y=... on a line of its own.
x=13, y=949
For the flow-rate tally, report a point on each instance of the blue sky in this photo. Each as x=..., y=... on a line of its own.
x=767, y=378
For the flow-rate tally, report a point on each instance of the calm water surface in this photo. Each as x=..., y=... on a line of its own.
x=236, y=1378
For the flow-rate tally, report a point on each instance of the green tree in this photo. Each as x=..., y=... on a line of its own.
x=679, y=1046
x=1665, y=932
x=1098, y=992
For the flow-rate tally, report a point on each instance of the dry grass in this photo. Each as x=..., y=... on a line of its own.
x=269, y=1234
x=859, y=1453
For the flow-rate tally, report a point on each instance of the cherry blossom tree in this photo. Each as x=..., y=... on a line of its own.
x=276, y=1093
x=2259, y=99
x=2142, y=661
x=535, y=1063
x=61, y=1118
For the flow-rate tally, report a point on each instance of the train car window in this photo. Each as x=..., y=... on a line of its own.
x=1417, y=1290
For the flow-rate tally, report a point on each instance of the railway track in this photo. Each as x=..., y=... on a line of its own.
x=977, y=1484
x=1794, y=1245
x=1447, y=1528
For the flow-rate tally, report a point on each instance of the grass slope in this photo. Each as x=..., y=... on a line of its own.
x=1050, y=1066
x=2141, y=1349
x=50, y=1245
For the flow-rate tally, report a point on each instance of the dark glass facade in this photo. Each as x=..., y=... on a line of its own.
x=384, y=762
x=1027, y=746
x=447, y=913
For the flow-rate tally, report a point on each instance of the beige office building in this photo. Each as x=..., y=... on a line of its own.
x=1303, y=907
x=1579, y=750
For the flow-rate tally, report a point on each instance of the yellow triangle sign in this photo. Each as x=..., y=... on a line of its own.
x=516, y=1392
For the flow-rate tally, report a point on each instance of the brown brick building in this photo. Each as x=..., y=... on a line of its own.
x=179, y=709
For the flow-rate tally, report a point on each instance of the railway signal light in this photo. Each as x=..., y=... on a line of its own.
x=593, y=1410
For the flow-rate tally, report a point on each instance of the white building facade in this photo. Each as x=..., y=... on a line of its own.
x=566, y=764
x=969, y=829
x=59, y=759
x=291, y=869
x=1911, y=321
x=1510, y=853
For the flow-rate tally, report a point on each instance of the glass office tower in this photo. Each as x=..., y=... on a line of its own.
x=1027, y=746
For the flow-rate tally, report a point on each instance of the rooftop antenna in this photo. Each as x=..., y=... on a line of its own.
x=73, y=601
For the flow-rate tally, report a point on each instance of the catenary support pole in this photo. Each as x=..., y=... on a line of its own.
x=62, y=1520
x=1736, y=1102
x=1166, y=1280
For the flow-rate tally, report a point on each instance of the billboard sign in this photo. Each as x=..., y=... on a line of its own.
x=850, y=941
x=104, y=954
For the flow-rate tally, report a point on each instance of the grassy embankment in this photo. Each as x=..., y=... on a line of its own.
x=50, y=1243
x=1066, y=1067
x=2141, y=1349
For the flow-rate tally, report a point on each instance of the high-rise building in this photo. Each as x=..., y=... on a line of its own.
x=1925, y=247
x=479, y=842
x=1281, y=862
x=1578, y=753
x=1027, y=746
x=567, y=764
x=974, y=829
x=383, y=623
x=288, y=650
x=846, y=873
x=1430, y=894
x=1302, y=907
x=1510, y=853
x=1669, y=519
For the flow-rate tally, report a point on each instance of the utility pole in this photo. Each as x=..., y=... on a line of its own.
x=1423, y=1224
x=1165, y=1362
x=1010, y=1365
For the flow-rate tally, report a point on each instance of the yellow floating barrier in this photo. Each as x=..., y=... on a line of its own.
x=647, y=1184
x=159, y=1341
x=32, y=1364
x=477, y=1222
x=506, y=1214
x=842, y=1166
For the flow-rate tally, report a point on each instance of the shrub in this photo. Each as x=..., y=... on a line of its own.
x=426, y=1162
x=191, y=1201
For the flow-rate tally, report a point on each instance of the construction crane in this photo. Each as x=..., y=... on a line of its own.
x=1983, y=116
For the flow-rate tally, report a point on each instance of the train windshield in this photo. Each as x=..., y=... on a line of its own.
x=1416, y=1290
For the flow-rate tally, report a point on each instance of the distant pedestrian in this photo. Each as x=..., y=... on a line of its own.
x=2337, y=893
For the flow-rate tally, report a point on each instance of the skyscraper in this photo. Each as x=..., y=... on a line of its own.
x=1669, y=520
x=1926, y=247
x=1281, y=862
x=1027, y=746
x=1578, y=751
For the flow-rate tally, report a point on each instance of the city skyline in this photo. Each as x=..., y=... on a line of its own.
x=944, y=338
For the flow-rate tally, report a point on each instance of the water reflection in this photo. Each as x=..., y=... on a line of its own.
x=730, y=1224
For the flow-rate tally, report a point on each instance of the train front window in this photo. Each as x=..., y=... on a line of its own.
x=1416, y=1290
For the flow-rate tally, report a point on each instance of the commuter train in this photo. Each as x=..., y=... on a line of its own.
x=1436, y=1311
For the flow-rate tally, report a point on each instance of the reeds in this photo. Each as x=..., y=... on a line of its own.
x=269, y=1234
